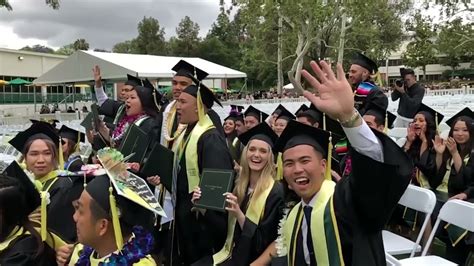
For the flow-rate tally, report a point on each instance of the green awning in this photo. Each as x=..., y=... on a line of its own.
x=165, y=89
x=19, y=81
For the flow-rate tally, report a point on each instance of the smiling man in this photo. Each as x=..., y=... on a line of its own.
x=201, y=146
x=336, y=224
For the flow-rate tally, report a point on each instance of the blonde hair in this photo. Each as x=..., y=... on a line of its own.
x=266, y=176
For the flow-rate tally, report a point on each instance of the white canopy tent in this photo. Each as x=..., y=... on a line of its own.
x=114, y=66
x=288, y=86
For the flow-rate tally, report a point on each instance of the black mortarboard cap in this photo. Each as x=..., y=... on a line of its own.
x=133, y=81
x=285, y=114
x=235, y=113
x=131, y=213
x=380, y=113
x=185, y=69
x=279, y=109
x=252, y=111
x=464, y=112
x=236, y=109
x=207, y=96
x=296, y=134
x=32, y=197
x=406, y=71
x=39, y=130
x=302, y=108
x=430, y=111
x=365, y=62
x=72, y=134
x=261, y=132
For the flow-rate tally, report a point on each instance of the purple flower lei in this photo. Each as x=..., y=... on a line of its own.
x=133, y=251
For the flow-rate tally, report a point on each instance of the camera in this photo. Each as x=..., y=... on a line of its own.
x=399, y=82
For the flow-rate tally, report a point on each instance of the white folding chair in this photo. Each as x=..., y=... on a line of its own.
x=391, y=261
x=456, y=212
x=401, y=142
x=419, y=199
x=397, y=132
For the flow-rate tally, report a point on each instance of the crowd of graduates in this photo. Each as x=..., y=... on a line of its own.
x=314, y=187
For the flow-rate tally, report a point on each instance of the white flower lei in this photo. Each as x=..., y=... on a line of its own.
x=281, y=248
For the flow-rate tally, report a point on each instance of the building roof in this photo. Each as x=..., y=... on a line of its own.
x=115, y=66
x=13, y=51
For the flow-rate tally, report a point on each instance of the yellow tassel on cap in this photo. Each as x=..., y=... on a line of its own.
x=436, y=122
x=327, y=174
x=61, y=155
x=115, y=220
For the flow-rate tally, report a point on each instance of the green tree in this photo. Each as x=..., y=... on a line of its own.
x=421, y=51
x=38, y=48
x=66, y=50
x=125, y=47
x=80, y=44
x=150, y=39
x=455, y=43
x=52, y=3
x=187, y=40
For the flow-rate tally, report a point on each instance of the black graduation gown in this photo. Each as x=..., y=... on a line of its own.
x=75, y=165
x=459, y=182
x=251, y=241
x=60, y=209
x=216, y=120
x=426, y=163
x=375, y=96
x=23, y=250
x=364, y=201
x=198, y=235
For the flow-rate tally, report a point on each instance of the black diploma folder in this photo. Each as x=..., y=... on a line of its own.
x=135, y=141
x=159, y=162
x=214, y=183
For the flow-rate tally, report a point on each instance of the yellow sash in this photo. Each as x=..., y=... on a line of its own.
x=254, y=213
x=443, y=187
x=189, y=147
x=52, y=240
x=324, y=230
x=44, y=199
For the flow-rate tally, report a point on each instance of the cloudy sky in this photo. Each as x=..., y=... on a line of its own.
x=101, y=22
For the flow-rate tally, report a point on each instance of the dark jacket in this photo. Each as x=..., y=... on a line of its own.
x=410, y=101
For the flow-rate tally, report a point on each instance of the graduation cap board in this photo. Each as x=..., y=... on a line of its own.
x=185, y=69
x=261, y=132
x=133, y=81
x=40, y=130
x=126, y=184
x=278, y=110
x=437, y=117
x=466, y=112
x=285, y=114
x=381, y=114
x=302, y=108
x=72, y=134
x=201, y=91
x=259, y=115
x=365, y=62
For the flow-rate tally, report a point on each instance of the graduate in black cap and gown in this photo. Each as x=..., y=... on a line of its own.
x=200, y=146
x=365, y=90
x=113, y=110
x=255, y=205
x=231, y=133
x=39, y=145
x=336, y=224
x=253, y=117
x=20, y=239
x=71, y=146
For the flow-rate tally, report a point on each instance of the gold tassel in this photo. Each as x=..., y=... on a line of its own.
x=61, y=155
x=324, y=121
x=385, y=129
x=436, y=122
x=43, y=211
x=115, y=220
x=279, y=175
x=327, y=174
x=200, y=105
x=378, y=79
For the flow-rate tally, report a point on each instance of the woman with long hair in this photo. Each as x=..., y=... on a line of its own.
x=419, y=145
x=20, y=242
x=255, y=205
x=71, y=139
x=453, y=156
x=39, y=145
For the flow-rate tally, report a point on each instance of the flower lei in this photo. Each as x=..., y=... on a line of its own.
x=281, y=248
x=179, y=130
x=123, y=125
x=132, y=252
